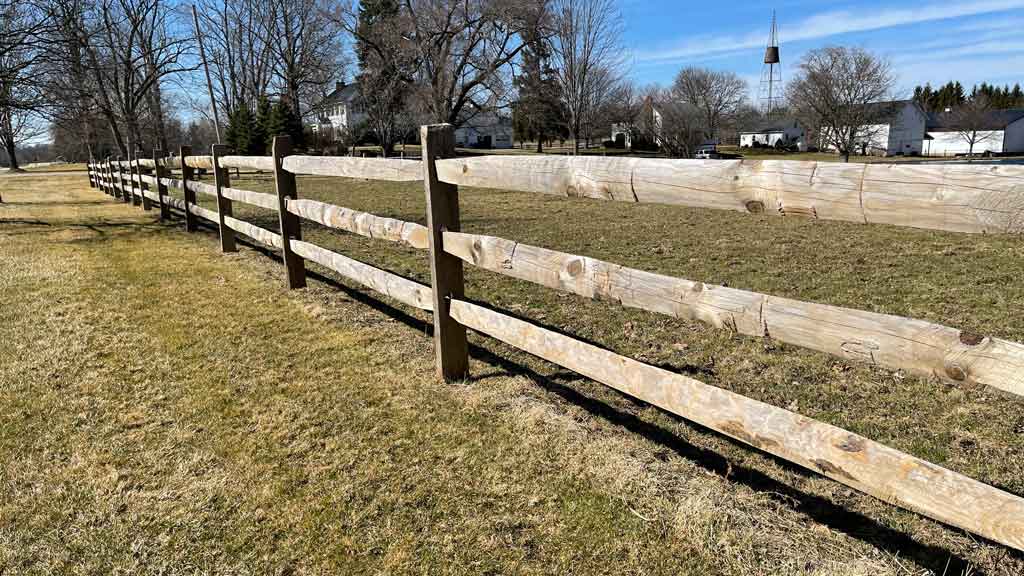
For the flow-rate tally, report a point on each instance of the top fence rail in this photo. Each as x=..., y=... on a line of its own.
x=956, y=198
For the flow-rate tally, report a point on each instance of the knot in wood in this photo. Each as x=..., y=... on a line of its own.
x=956, y=372
x=575, y=267
x=971, y=338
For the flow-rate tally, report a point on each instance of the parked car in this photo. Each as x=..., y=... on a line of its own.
x=706, y=152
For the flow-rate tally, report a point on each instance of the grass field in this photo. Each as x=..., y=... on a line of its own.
x=170, y=409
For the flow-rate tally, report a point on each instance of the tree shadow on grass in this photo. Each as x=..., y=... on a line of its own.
x=938, y=559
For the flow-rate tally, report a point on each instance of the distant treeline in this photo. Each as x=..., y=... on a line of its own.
x=952, y=95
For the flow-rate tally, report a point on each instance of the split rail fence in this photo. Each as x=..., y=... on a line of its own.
x=963, y=198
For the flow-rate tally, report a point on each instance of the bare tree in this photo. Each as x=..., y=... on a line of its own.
x=238, y=36
x=22, y=33
x=972, y=121
x=836, y=91
x=306, y=50
x=587, y=55
x=463, y=49
x=67, y=83
x=131, y=48
x=717, y=95
x=677, y=126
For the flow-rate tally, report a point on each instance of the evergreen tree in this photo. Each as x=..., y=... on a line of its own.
x=536, y=113
x=274, y=124
x=282, y=120
x=260, y=132
x=239, y=131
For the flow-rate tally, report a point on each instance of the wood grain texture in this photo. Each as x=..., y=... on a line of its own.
x=972, y=198
x=361, y=223
x=175, y=202
x=199, y=162
x=262, y=163
x=451, y=350
x=202, y=188
x=159, y=170
x=268, y=201
x=391, y=285
x=221, y=181
x=286, y=189
x=349, y=167
x=204, y=213
x=173, y=183
x=253, y=231
x=889, y=341
x=848, y=458
x=190, y=193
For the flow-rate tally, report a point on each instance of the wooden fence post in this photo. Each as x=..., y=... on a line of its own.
x=125, y=191
x=284, y=183
x=190, y=194
x=222, y=180
x=110, y=178
x=106, y=176
x=451, y=350
x=144, y=187
x=134, y=174
x=160, y=172
x=115, y=175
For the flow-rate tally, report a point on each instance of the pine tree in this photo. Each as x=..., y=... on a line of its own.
x=282, y=121
x=239, y=131
x=536, y=112
x=274, y=124
x=260, y=133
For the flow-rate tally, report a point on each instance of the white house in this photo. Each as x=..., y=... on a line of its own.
x=485, y=130
x=785, y=130
x=1003, y=132
x=339, y=111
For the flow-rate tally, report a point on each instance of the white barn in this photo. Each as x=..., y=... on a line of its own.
x=485, y=130
x=785, y=130
x=901, y=131
x=1003, y=133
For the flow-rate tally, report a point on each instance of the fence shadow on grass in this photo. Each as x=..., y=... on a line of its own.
x=938, y=559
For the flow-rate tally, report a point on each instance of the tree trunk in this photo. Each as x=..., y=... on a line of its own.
x=540, y=145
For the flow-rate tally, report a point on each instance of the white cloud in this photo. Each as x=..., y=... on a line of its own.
x=828, y=24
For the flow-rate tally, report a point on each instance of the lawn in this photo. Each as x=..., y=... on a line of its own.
x=172, y=409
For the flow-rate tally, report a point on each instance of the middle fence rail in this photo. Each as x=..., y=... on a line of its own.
x=966, y=199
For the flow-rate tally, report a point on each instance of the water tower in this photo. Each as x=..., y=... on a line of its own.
x=771, y=73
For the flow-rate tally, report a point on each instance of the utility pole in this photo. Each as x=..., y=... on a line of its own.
x=206, y=68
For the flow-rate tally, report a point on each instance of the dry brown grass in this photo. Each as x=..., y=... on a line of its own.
x=171, y=409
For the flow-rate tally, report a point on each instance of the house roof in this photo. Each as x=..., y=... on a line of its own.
x=772, y=126
x=342, y=94
x=886, y=110
x=994, y=120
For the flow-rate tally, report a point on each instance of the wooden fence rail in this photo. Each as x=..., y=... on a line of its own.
x=890, y=341
x=958, y=198
x=954, y=197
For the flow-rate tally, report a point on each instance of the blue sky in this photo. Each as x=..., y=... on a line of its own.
x=967, y=40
